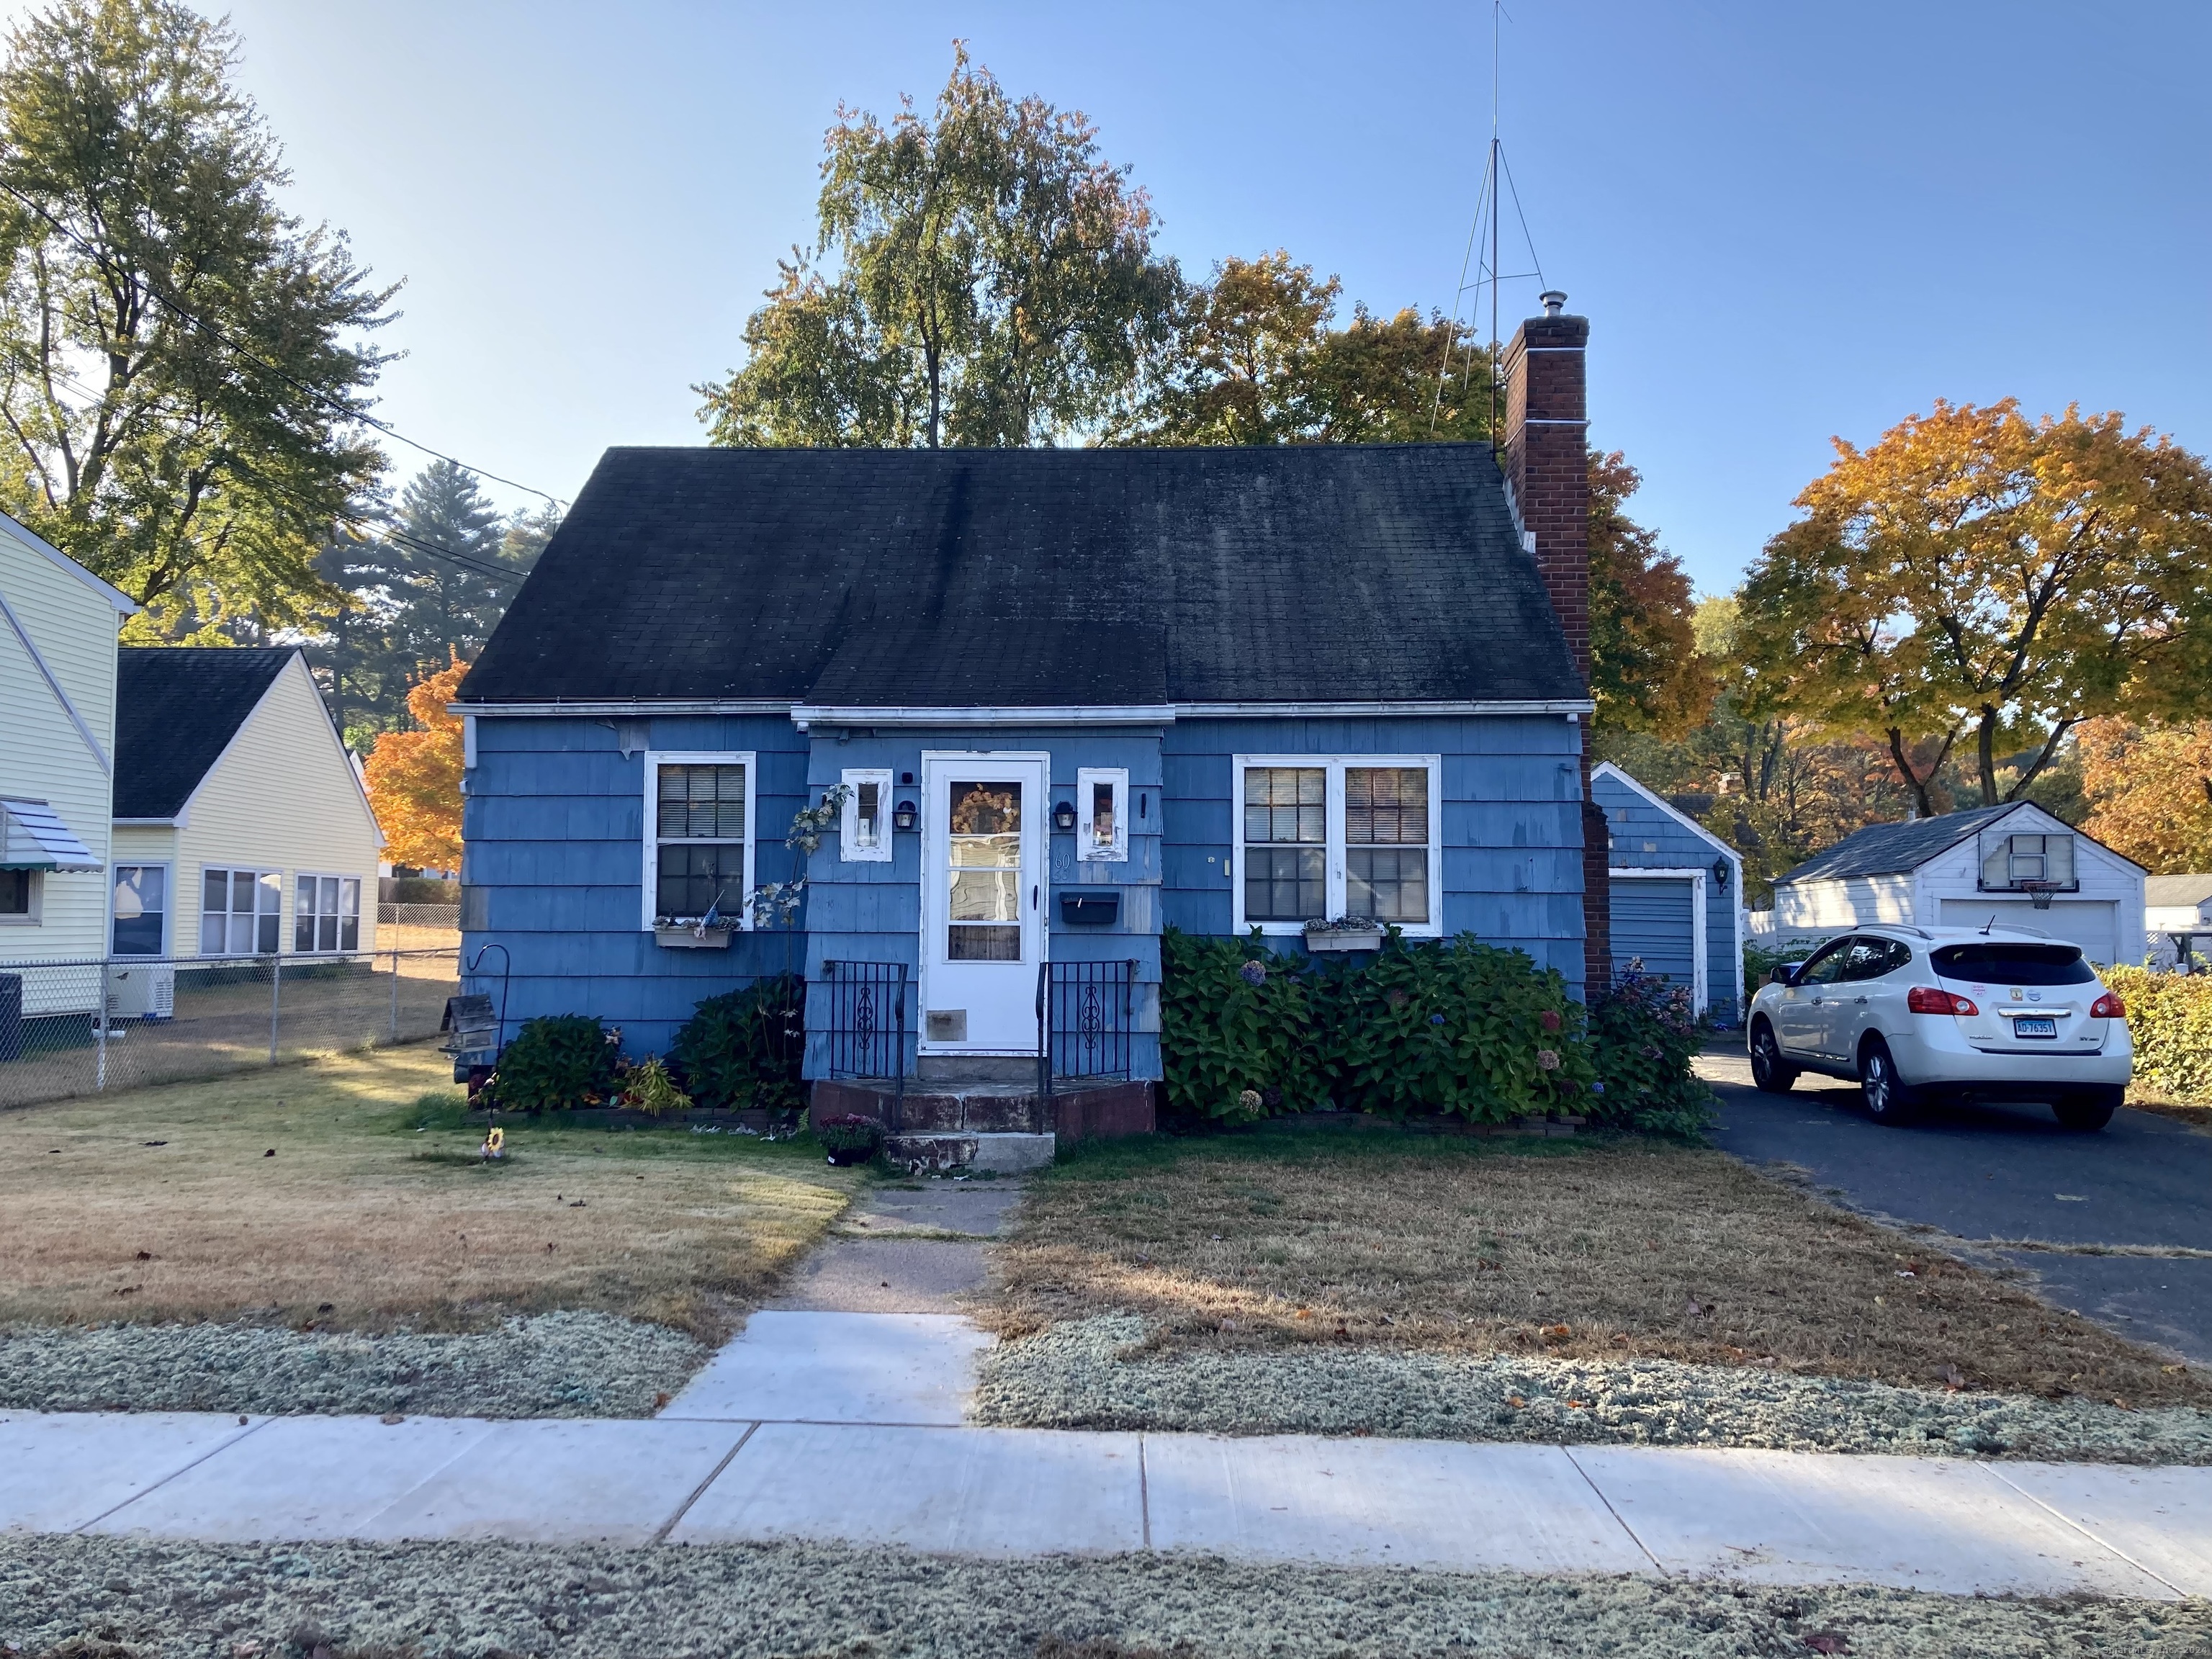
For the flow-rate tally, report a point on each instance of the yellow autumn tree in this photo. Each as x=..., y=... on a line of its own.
x=2149, y=789
x=415, y=778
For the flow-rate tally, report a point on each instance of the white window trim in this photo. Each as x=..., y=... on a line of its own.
x=168, y=947
x=200, y=913
x=1087, y=851
x=848, y=823
x=36, y=897
x=1332, y=861
x=654, y=760
x=341, y=878
x=1700, y=993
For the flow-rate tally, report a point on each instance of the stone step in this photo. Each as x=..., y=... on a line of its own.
x=1001, y=1153
x=1080, y=1108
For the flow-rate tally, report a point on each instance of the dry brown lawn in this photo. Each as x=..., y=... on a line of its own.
x=1284, y=1235
x=164, y=1203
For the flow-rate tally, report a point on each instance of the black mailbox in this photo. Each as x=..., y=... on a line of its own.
x=1091, y=909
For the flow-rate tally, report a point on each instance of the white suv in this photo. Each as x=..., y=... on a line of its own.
x=1914, y=1014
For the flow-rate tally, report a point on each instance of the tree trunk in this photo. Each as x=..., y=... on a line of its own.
x=1923, y=804
x=936, y=393
x=1986, y=753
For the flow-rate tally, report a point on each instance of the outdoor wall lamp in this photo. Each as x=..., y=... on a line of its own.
x=1720, y=874
x=903, y=816
x=1063, y=817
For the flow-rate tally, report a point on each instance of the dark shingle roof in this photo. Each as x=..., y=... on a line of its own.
x=906, y=577
x=176, y=707
x=1888, y=849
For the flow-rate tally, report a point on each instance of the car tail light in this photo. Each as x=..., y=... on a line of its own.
x=1927, y=1000
x=2108, y=1006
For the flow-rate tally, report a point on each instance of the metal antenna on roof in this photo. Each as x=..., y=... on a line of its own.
x=1497, y=180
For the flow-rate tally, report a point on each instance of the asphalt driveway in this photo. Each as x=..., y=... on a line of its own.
x=2003, y=1172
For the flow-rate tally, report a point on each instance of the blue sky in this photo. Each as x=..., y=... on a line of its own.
x=1785, y=221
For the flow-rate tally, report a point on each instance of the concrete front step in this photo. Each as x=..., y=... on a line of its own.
x=1001, y=1153
x=1080, y=1108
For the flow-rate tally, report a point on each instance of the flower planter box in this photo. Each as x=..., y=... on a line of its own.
x=684, y=938
x=1344, y=938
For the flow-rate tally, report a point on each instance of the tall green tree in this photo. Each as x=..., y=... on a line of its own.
x=1253, y=358
x=183, y=365
x=982, y=276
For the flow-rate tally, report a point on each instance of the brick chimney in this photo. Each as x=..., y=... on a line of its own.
x=1547, y=464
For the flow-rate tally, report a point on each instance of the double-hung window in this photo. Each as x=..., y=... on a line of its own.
x=326, y=913
x=1322, y=837
x=241, y=912
x=698, y=845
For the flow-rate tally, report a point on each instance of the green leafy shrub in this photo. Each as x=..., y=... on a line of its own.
x=1235, y=1037
x=1644, y=1039
x=2170, y=1019
x=1453, y=1026
x=741, y=1049
x=649, y=1089
x=555, y=1064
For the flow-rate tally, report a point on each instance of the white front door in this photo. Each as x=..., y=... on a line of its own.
x=983, y=903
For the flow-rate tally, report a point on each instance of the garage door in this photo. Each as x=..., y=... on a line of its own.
x=1652, y=919
x=2092, y=924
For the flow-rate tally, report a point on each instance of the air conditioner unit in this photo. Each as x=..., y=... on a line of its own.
x=147, y=993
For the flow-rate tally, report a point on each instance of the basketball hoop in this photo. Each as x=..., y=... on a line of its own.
x=2038, y=892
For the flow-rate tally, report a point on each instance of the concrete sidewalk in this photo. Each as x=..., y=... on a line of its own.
x=847, y=1426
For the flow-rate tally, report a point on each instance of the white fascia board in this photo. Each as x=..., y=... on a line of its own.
x=624, y=707
x=806, y=714
x=122, y=602
x=1608, y=770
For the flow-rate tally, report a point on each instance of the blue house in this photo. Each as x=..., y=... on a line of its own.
x=1676, y=894
x=1040, y=705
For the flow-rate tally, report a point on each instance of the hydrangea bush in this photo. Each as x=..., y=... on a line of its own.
x=1643, y=1037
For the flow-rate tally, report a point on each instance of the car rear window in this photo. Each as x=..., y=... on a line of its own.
x=2014, y=964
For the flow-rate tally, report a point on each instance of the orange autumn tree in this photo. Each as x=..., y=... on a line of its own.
x=415, y=778
x=2150, y=792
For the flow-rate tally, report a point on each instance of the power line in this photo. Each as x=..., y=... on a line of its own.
x=385, y=532
x=350, y=410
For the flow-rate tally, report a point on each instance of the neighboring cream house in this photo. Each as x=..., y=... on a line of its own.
x=57, y=626
x=241, y=827
x=2174, y=907
x=2015, y=865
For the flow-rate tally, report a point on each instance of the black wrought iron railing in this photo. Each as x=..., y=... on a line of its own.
x=862, y=1008
x=1086, y=1020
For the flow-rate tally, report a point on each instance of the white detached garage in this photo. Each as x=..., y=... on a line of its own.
x=2015, y=864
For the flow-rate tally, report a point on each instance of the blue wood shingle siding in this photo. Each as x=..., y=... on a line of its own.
x=554, y=824
x=1510, y=813
x=1647, y=838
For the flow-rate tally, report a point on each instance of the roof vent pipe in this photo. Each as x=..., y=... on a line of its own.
x=1553, y=302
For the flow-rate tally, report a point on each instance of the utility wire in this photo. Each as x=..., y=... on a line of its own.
x=351, y=411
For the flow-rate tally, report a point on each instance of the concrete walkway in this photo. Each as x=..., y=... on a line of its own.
x=841, y=1425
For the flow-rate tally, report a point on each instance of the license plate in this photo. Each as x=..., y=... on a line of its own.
x=2042, y=1025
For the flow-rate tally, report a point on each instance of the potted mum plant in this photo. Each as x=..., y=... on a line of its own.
x=849, y=1139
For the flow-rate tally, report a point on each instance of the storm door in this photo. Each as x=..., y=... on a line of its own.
x=982, y=910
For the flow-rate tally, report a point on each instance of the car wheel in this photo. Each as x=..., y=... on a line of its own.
x=2088, y=1110
x=1768, y=1069
x=1887, y=1099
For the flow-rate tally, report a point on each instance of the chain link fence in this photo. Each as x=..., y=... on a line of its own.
x=77, y=1028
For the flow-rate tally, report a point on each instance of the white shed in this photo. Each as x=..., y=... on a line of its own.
x=2015, y=864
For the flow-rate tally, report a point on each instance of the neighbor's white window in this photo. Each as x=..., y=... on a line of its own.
x=142, y=909
x=1102, y=813
x=1324, y=836
x=20, y=893
x=241, y=912
x=698, y=840
x=326, y=913
x=864, y=833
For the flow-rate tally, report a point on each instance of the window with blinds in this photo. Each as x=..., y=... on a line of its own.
x=699, y=831
x=1386, y=834
x=1338, y=838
